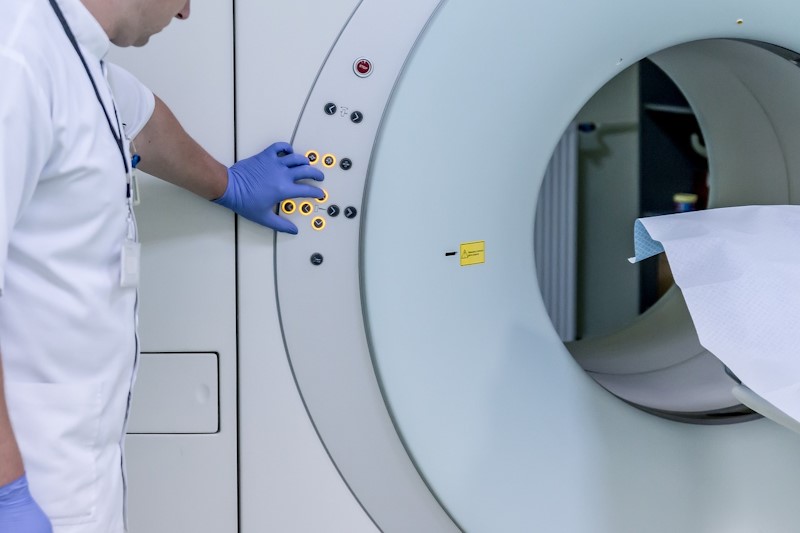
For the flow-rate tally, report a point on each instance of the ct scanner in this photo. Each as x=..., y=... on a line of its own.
x=358, y=377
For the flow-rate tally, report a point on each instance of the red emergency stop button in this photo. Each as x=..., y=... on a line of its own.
x=362, y=67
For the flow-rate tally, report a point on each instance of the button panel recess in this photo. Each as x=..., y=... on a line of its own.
x=341, y=118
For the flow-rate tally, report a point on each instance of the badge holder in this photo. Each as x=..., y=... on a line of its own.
x=131, y=256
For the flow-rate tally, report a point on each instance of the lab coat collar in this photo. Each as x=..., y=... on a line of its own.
x=87, y=30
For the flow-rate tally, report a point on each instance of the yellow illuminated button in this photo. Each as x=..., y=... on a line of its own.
x=318, y=223
x=288, y=206
x=323, y=199
x=306, y=208
x=313, y=156
x=328, y=160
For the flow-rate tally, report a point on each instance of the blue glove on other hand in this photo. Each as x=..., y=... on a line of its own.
x=18, y=512
x=257, y=184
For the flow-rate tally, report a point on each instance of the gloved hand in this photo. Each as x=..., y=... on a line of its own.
x=19, y=512
x=258, y=183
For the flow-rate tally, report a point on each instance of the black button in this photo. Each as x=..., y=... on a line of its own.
x=317, y=259
x=333, y=210
x=356, y=117
x=350, y=212
x=330, y=108
x=312, y=157
x=329, y=161
x=288, y=206
x=306, y=208
x=318, y=223
x=346, y=164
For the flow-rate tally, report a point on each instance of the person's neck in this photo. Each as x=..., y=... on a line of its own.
x=106, y=14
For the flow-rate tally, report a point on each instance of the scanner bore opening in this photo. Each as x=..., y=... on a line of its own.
x=640, y=140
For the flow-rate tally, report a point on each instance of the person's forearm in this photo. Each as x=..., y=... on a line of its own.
x=169, y=153
x=10, y=459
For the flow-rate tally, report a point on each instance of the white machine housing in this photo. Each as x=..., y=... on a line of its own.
x=390, y=388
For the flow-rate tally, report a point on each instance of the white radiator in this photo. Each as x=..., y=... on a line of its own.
x=556, y=235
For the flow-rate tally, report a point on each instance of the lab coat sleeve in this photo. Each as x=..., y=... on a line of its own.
x=26, y=139
x=135, y=102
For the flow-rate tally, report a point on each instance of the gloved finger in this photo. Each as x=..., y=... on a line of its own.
x=306, y=172
x=276, y=148
x=294, y=160
x=300, y=190
x=272, y=220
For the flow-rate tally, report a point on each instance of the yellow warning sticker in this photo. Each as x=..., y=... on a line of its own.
x=473, y=253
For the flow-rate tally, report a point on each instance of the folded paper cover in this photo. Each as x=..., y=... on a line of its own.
x=739, y=270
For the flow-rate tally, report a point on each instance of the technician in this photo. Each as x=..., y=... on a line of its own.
x=69, y=249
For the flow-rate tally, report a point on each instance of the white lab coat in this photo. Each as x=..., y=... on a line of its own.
x=67, y=327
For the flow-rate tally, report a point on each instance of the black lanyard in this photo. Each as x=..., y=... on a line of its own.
x=71, y=37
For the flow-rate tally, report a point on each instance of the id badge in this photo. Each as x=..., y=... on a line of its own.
x=130, y=261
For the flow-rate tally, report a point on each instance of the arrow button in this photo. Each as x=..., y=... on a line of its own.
x=330, y=108
x=333, y=211
x=318, y=223
x=356, y=117
x=350, y=212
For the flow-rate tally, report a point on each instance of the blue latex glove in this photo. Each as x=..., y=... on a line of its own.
x=257, y=184
x=18, y=512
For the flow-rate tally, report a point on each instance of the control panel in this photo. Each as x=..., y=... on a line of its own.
x=320, y=210
x=327, y=343
x=346, y=136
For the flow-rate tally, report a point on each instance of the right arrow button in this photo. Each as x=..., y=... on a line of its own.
x=350, y=212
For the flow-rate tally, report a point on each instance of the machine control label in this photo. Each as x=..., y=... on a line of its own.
x=473, y=253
